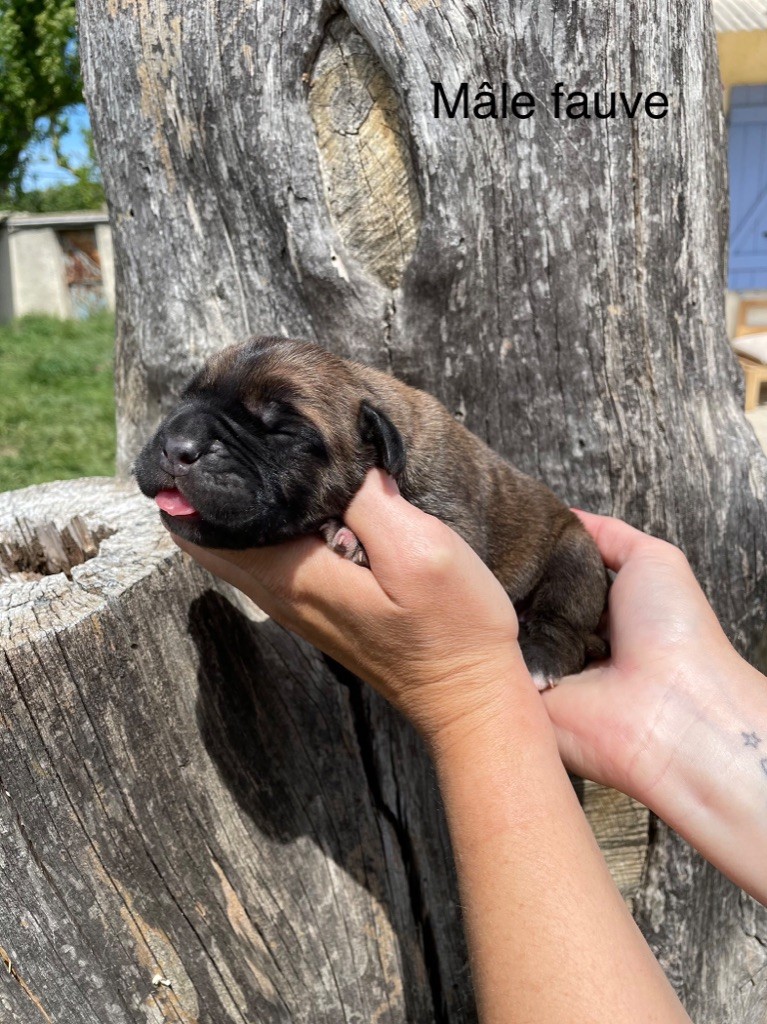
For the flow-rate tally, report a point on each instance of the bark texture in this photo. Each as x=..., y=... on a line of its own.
x=187, y=832
x=276, y=168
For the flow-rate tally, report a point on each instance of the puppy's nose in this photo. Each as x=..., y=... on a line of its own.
x=181, y=453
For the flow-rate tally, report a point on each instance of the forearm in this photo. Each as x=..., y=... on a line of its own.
x=705, y=773
x=549, y=936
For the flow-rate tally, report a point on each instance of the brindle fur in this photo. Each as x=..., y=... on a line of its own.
x=348, y=417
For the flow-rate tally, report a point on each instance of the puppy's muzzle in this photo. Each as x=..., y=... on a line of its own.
x=178, y=454
x=184, y=440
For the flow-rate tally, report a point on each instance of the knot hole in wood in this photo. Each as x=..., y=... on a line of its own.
x=364, y=144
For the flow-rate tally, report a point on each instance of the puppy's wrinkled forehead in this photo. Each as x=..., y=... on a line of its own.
x=271, y=369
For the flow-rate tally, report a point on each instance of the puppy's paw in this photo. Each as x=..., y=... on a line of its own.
x=341, y=539
x=547, y=658
x=553, y=650
x=543, y=682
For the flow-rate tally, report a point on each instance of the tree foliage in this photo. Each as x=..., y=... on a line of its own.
x=39, y=76
x=77, y=195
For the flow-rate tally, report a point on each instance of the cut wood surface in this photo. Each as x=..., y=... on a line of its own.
x=560, y=286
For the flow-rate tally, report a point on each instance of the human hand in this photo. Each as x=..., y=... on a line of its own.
x=621, y=722
x=428, y=625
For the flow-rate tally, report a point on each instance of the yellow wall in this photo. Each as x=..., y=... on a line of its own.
x=742, y=59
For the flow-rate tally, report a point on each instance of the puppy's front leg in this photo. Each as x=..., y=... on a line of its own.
x=341, y=539
x=558, y=620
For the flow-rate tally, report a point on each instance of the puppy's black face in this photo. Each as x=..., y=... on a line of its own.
x=242, y=462
x=248, y=478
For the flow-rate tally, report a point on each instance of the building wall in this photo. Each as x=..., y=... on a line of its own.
x=107, y=261
x=742, y=60
x=6, y=278
x=33, y=268
x=38, y=273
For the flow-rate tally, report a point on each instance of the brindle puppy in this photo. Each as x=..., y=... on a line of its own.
x=271, y=440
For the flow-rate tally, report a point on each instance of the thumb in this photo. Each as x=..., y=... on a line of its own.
x=392, y=531
x=227, y=565
x=616, y=540
x=577, y=710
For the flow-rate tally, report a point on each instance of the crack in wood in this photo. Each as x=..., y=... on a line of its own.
x=36, y=549
x=418, y=904
x=12, y=971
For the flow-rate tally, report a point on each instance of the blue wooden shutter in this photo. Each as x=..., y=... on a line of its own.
x=748, y=187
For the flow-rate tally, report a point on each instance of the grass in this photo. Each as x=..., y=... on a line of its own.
x=56, y=399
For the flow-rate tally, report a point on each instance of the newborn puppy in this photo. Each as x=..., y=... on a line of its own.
x=272, y=439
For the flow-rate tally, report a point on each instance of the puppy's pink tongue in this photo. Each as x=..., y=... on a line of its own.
x=174, y=503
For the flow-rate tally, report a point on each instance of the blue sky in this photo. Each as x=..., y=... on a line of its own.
x=42, y=171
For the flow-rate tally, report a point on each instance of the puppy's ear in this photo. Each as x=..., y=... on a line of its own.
x=377, y=429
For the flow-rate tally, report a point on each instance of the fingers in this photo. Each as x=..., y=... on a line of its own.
x=397, y=536
x=224, y=564
x=576, y=708
x=301, y=572
x=377, y=508
x=616, y=540
x=404, y=546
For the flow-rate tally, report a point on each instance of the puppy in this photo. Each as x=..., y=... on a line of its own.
x=272, y=439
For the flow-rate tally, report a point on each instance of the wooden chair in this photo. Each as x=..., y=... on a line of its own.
x=752, y=355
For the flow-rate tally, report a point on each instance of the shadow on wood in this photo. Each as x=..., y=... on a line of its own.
x=286, y=739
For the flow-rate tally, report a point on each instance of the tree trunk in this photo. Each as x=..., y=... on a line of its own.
x=559, y=284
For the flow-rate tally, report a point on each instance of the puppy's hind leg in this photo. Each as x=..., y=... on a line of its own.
x=341, y=539
x=557, y=631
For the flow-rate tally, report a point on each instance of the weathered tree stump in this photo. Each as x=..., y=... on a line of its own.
x=187, y=832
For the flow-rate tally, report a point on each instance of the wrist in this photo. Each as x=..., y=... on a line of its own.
x=506, y=708
x=713, y=786
x=708, y=703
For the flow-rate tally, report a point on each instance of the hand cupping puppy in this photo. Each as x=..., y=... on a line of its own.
x=621, y=721
x=670, y=718
x=675, y=718
x=434, y=631
x=428, y=625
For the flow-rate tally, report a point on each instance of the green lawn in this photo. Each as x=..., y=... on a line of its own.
x=56, y=399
